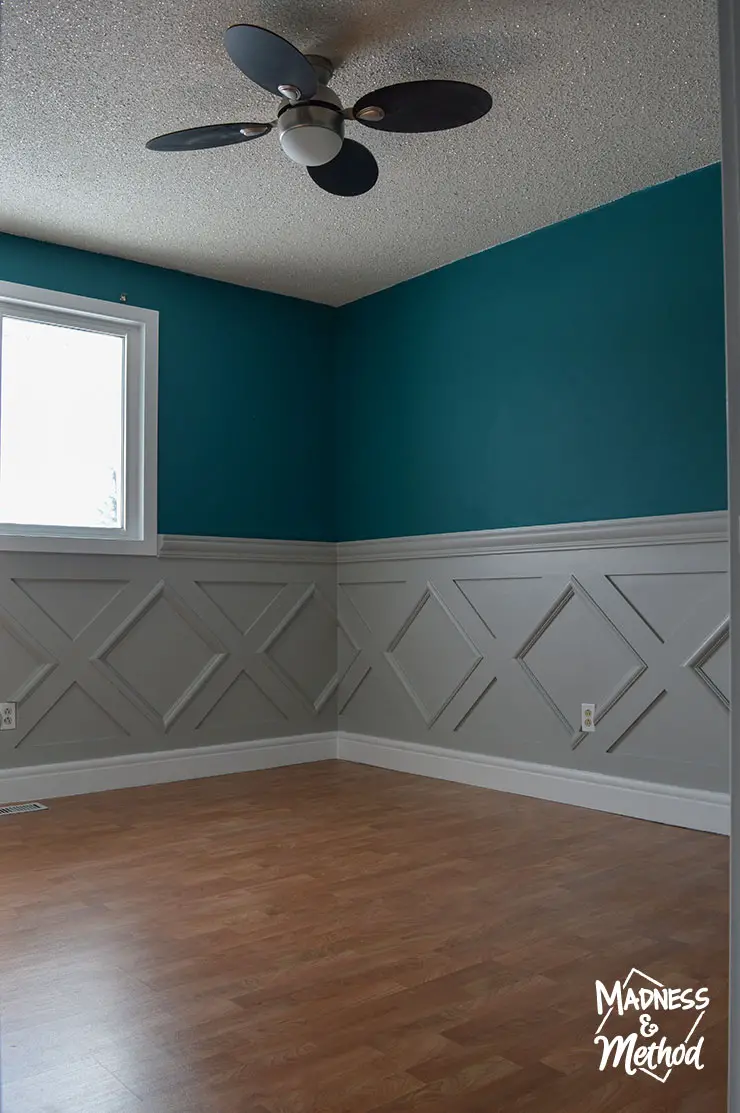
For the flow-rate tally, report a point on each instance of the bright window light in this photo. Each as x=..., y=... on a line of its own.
x=78, y=423
x=61, y=425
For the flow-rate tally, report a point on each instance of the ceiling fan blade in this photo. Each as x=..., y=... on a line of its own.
x=269, y=60
x=352, y=172
x=415, y=106
x=213, y=135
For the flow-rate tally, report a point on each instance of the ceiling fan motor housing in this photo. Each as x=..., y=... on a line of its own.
x=311, y=132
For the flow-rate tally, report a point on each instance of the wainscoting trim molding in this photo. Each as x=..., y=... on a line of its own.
x=73, y=778
x=666, y=529
x=181, y=546
x=679, y=807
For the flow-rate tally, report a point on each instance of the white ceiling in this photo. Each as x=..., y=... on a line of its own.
x=592, y=99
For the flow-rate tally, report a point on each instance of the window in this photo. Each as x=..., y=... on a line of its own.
x=78, y=400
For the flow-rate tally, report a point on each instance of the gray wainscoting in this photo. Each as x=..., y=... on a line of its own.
x=484, y=642
x=212, y=642
x=490, y=643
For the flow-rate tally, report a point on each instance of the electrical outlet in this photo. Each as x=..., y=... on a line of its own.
x=588, y=715
x=7, y=716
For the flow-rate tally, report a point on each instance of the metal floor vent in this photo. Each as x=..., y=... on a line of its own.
x=17, y=809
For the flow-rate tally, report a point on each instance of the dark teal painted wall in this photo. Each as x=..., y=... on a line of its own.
x=572, y=374
x=245, y=395
x=576, y=373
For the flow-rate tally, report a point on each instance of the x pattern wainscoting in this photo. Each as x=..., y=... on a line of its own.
x=461, y=645
x=115, y=655
x=491, y=645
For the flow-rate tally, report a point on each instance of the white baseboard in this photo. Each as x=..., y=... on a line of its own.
x=73, y=778
x=679, y=807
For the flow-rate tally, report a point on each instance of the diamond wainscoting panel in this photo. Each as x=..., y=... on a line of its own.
x=488, y=652
x=495, y=653
x=118, y=655
x=432, y=680
x=303, y=649
x=161, y=656
x=576, y=649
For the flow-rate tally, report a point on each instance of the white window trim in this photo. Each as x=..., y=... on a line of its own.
x=141, y=327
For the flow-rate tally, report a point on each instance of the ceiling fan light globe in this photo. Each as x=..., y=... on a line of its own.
x=311, y=133
x=309, y=145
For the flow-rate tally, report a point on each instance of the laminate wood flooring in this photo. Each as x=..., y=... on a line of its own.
x=332, y=938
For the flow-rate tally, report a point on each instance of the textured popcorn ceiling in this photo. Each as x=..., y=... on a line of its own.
x=592, y=99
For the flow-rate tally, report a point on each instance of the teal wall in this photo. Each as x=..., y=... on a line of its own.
x=576, y=373
x=245, y=395
x=573, y=374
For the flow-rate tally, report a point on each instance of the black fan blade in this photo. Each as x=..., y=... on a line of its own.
x=352, y=172
x=269, y=60
x=423, y=106
x=214, y=135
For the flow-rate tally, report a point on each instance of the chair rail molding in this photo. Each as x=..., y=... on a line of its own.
x=177, y=546
x=666, y=529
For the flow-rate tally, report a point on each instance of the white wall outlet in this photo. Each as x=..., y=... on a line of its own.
x=7, y=716
x=588, y=715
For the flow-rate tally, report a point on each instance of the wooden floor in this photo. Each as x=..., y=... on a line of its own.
x=338, y=939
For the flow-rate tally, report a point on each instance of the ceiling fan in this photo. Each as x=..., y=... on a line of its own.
x=310, y=120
